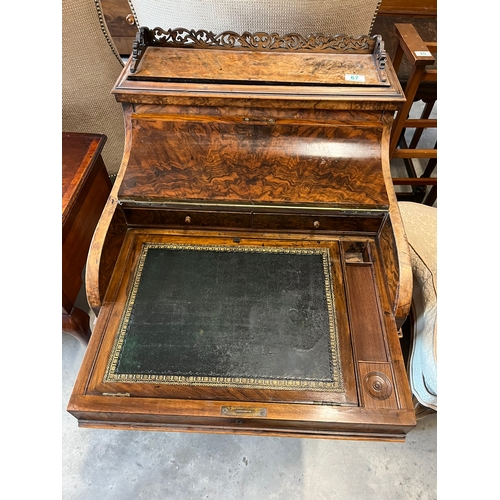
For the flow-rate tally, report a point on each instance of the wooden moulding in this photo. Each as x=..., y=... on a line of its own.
x=284, y=420
x=236, y=70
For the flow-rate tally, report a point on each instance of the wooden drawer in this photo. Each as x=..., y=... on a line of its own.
x=154, y=217
x=337, y=223
x=187, y=218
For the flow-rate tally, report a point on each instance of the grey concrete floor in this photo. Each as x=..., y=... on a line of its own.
x=127, y=465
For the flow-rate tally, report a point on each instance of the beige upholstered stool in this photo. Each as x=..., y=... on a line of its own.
x=420, y=223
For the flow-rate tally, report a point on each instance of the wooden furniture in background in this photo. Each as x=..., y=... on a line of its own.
x=85, y=189
x=426, y=26
x=121, y=24
x=413, y=8
x=261, y=147
x=421, y=56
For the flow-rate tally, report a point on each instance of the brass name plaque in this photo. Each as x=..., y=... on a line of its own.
x=241, y=411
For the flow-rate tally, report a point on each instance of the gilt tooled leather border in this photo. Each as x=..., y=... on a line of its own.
x=237, y=382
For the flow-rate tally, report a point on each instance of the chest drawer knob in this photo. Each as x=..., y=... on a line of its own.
x=316, y=224
x=187, y=220
x=130, y=19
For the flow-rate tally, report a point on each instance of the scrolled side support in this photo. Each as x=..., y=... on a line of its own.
x=109, y=233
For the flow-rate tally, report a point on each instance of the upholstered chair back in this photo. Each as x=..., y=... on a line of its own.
x=331, y=17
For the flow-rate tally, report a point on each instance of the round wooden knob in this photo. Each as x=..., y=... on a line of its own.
x=377, y=385
x=130, y=19
x=316, y=224
x=187, y=220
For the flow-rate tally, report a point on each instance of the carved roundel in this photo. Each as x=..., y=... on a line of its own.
x=377, y=385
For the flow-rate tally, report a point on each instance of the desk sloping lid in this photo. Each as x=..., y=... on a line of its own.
x=196, y=161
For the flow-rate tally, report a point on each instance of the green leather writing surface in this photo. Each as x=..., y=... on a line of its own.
x=230, y=316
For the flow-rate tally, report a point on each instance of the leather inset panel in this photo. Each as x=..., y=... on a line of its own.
x=232, y=316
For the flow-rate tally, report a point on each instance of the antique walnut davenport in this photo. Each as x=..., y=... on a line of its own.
x=250, y=270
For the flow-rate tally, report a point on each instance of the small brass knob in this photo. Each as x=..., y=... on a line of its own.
x=130, y=19
x=316, y=224
x=187, y=220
